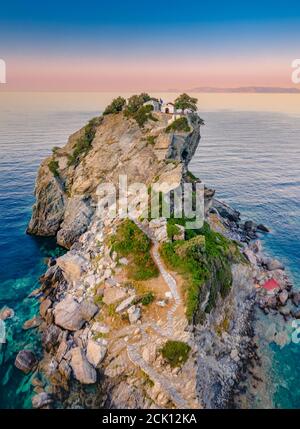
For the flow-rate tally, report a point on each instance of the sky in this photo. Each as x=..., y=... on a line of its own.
x=144, y=45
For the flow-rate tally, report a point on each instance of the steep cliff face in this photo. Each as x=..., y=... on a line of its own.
x=65, y=199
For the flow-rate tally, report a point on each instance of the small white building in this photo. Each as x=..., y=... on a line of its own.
x=168, y=108
x=155, y=104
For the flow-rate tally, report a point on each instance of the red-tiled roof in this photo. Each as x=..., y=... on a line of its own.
x=271, y=284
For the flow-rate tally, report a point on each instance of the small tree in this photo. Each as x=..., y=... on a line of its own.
x=184, y=101
x=115, y=106
x=137, y=101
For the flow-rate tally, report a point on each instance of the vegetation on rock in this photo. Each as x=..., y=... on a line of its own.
x=135, y=109
x=204, y=259
x=184, y=101
x=148, y=298
x=53, y=167
x=115, y=106
x=130, y=241
x=176, y=353
x=180, y=124
x=84, y=143
x=172, y=229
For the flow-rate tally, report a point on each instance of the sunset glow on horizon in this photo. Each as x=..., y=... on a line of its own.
x=130, y=47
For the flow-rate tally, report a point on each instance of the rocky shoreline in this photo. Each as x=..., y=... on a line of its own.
x=103, y=331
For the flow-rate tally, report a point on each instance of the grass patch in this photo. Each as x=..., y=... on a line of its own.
x=54, y=167
x=84, y=143
x=130, y=241
x=180, y=124
x=98, y=300
x=176, y=353
x=204, y=259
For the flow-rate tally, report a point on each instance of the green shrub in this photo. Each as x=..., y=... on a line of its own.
x=55, y=149
x=135, y=102
x=129, y=240
x=184, y=101
x=180, y=124
x=172, y=229
x=135, y=109
x=148, y=298
x=115, y=106
x=176, y=353
x=84, y=143
x=151, y=140
x=205, y=258
x=54, y=167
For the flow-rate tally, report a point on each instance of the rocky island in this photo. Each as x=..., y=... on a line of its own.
x=144, y=313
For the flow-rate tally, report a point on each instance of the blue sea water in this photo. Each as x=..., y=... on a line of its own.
x=251, y=158
x=26, y=137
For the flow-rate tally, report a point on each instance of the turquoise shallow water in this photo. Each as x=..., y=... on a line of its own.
x=251, y=158
x=26, y=137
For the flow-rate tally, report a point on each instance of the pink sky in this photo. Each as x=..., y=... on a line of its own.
x=133, y=74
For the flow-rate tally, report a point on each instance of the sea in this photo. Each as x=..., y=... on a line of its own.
x=249, y=153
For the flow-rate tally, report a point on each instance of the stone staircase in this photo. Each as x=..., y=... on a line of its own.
x=165, y=385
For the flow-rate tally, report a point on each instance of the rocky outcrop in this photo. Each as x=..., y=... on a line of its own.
x=25, y=361
x=71, y=315
x=183, y=146
x=83, y=370
x=96, y=319
x=65, y=202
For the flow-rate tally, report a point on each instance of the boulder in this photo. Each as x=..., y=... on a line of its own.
x=134, y=314
x=234, y=354
x=67, y=314
x=149, y=353
x=88, y=310
x=296, y=298
x=296, y=314
x=73, y=266
x=99, y=328
x=25, y=361
x=113, y=295
x=250, y=256
x=285, y=311
x=65, y=369
x=44, y=306
x=255, y=246
x=83, y=371
x=123, y=261
x=283, y=297
x=77, y=217
x=61, y=351
x=41, y=400
x=6, y=313
x=272, y=264
x=50, y=337
x=271, y=302
x=226, y=211
x=95, y=352
x=32, y=323
x=250, y=226
x=125, y=304
x=159, y=229
x=262, y=228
